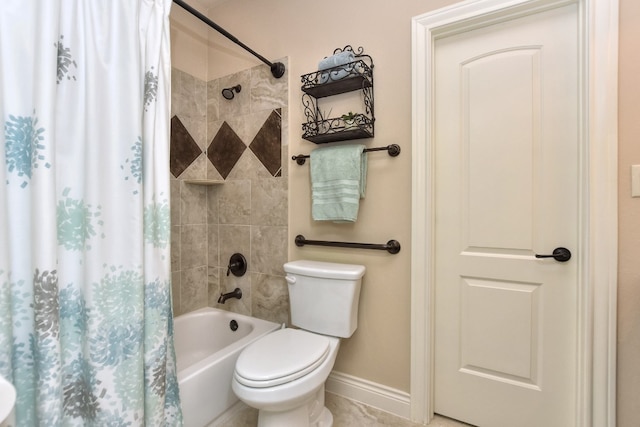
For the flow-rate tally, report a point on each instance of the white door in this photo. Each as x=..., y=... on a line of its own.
x=506, y=189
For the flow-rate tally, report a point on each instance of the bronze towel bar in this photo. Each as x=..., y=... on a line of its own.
x=393, y=149
x=392, y=246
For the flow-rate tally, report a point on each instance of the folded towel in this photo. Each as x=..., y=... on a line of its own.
x=338, y=182
x=334, y=75
x=341, y=58
x=337, y=60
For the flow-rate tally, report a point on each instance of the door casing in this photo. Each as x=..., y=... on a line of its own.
x=597, y=247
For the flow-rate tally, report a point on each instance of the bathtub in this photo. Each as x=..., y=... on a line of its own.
x=206, y=351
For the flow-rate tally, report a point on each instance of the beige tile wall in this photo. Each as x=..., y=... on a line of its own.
x=246, y=214
x=189, y=255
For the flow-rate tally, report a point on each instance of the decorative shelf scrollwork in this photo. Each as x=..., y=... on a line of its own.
x=336, y=129
x=355, y=75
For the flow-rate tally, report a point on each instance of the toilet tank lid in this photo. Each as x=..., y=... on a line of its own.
x=327, y=270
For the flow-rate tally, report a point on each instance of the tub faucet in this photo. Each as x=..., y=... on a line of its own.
x=236, y=293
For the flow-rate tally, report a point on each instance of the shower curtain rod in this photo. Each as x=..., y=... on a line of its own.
x=277, y=68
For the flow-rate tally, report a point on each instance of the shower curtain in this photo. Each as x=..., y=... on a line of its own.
x=85, y=306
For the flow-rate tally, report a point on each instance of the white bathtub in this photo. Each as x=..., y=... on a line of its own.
x=206, y=352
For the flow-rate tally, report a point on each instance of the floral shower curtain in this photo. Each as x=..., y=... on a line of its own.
x=85, y=307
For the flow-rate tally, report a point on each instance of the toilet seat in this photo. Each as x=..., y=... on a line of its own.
x=281, y=357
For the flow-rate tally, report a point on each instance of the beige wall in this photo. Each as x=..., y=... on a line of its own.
x=306, y=32
x=189, y=44
x=629, y=218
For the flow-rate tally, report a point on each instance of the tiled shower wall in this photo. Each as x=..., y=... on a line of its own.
x=242, y=144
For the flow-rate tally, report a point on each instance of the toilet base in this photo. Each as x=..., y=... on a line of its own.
x=326, y=418
x=312, y=413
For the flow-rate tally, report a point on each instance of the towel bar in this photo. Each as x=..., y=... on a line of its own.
x=393, y=149
x=392, y=246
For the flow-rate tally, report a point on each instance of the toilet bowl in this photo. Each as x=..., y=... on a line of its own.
x=283, y=374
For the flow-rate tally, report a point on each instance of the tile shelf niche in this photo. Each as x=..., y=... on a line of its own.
x=204, y=181
x=353, y=76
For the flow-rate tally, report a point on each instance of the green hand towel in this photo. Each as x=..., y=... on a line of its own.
x=338, y=182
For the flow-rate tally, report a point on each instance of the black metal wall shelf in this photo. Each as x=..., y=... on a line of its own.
x=362, y=78
x=353, y=76
x=336, y=129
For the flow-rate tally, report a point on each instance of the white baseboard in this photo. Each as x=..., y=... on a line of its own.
x=371, y=394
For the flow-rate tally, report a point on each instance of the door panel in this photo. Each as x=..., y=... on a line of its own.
x=506, y=184
x=500, y=119
x=498, y=337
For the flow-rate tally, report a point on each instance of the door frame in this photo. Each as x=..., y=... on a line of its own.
x=598, y=169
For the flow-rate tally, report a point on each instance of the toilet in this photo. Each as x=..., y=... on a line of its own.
x=283, y=373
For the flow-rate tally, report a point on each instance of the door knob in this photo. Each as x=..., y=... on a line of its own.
x=559, y=254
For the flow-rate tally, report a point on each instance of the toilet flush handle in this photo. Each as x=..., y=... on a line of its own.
x=290, y=280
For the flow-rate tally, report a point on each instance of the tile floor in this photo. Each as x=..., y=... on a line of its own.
x=346, y=413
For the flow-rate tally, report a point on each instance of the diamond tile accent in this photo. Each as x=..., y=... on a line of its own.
x=225, y=150
x=184, y=150
x=267, y=144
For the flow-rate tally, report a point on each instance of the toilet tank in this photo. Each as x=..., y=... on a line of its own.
x=324, y=296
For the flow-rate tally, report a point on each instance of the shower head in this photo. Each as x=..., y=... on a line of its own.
x=228, y=93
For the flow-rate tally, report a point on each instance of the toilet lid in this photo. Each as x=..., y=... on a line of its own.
x=280, y=357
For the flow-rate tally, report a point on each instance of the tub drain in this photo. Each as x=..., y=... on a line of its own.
x=233, y=325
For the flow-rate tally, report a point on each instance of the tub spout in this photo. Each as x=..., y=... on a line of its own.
x=236, y=293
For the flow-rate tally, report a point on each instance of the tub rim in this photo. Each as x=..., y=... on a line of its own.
x=260, y=328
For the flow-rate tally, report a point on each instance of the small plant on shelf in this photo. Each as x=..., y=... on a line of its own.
x=349, y=119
